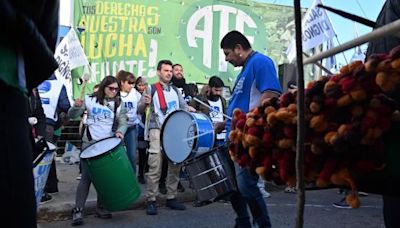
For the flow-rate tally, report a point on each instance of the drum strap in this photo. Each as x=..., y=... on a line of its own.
x=161, y=97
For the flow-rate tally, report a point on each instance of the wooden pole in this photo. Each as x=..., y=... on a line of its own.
x=300, y=119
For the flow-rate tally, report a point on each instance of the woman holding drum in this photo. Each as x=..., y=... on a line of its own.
x=106, y=118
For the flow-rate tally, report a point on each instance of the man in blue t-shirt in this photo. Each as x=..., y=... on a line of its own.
x=257, y=81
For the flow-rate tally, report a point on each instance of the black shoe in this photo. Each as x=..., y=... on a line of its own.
x=342, y=204
x=46, y=198
x=141, y=180
x=77, y=216
x=103, y=213
x=180, y=187
x=175, y=205
x=201, y=203
x=163, y=189
x=151, y=208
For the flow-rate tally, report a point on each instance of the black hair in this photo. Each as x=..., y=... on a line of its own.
x=232, y=38
x=215, y=81
x=100, y=94
x=165, y=61
x=176, y=64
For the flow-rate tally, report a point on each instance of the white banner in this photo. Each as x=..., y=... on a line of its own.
x=316, y=28
x=69, y=54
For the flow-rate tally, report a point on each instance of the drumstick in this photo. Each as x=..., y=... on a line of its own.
x=199, y=135
x=208, y=106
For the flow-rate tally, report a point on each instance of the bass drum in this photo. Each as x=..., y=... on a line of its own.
x=185, y=135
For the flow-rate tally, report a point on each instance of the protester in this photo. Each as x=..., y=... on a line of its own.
x=26, y=59
x=163, y=98
x=390, y=12
x=106, y=117
x=130, y=97
x=55, y=100
x=256, y=81
x=140, y=86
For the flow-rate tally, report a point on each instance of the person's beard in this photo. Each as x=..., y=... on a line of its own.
x=212, y=97
x=178, y=82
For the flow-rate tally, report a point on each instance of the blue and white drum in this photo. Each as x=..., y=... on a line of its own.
x=185, y=135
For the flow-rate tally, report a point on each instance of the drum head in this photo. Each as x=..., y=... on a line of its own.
x=100, y=147
x=177, y=127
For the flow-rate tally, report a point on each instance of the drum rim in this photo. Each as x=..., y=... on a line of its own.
x=98, y=142
x=162, y=141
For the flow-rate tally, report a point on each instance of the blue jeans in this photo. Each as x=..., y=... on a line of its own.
x=131, y=143
x=248, y=188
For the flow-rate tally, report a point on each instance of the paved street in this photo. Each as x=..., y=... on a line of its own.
x=282, y=207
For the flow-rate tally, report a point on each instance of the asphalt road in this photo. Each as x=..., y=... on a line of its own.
x=282, y=209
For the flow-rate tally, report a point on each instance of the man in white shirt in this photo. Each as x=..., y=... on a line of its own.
x=164, y=98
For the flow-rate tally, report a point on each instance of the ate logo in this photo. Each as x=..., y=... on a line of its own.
x=207, y=24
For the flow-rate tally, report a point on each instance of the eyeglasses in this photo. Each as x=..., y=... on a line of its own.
x=131, y=83
x=113, y=89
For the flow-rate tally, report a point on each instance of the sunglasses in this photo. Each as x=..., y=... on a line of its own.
x=131, y=83
x=113, y=89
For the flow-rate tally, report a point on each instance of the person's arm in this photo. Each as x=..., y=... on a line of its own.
x=144, y=101
x=266, y=95
x=77, y=109
x=182, y=103
x=122, y=120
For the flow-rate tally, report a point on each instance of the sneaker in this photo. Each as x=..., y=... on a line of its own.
x=175, y=205
x=163, y=189
x=289, y=189
x=77, y=216
x=264, y=193
x=46, y=198
x=180, y=187
x=151, y=208
x=362, y=194
x=342, y=204
x=103, y=213
x=79, y=176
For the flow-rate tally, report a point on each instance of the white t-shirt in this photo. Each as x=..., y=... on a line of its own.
x=216, y=111
x=131, y=100
x=172, y=101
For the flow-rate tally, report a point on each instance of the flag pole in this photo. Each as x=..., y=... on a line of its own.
x=344, y=56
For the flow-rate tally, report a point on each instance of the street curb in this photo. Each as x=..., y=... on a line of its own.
x=62, y=211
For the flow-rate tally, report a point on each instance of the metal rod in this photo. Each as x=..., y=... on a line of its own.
x=388, y=29
x=301, y=195
x=319, y=64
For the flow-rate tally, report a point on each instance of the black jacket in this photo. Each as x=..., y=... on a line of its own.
x=33, y=26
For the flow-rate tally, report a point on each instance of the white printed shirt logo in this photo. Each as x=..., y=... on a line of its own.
x=214, y=111
x=239, y=86
x=100, y=114
x=172, y=106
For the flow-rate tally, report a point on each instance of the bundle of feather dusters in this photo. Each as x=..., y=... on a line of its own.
x=346, y=116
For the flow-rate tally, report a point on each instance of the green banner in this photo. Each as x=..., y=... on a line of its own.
x=135, y=35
